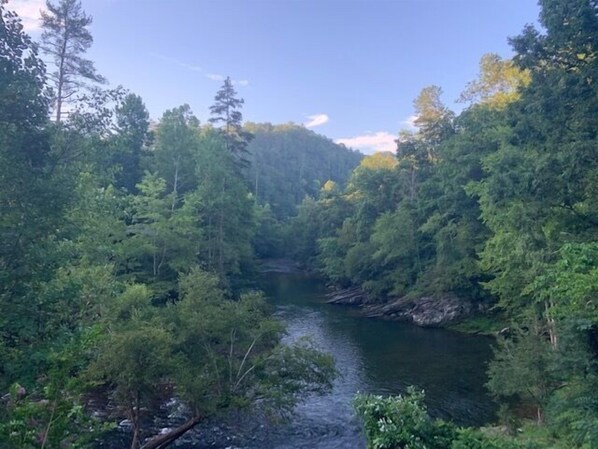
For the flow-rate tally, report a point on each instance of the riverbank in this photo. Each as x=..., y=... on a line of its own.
x=445, y=311
x=240, y=429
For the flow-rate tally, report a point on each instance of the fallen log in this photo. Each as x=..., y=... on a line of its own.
x=161, y=441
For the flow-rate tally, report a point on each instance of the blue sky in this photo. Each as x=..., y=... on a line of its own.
x=348, y=69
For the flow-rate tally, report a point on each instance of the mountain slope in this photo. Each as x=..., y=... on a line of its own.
x=289, y=162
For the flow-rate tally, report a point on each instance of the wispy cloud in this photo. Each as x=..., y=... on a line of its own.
x=193, y=68
x=184, y=65
x=316, y=120
x=214, y=77
x=372, y=142
x=29, y=12
x=198, y=69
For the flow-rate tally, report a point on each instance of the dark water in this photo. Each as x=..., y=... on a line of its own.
x=375, y=356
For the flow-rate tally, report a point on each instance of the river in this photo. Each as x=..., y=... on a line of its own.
x=379, y=357
x=373, y=356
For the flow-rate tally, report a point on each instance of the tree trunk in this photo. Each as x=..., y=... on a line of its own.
x=59, y=103
x=221, y=244
x=210, y=242
x=135, y=442
x=412, y=185
x=175, y=186
x=134, y=415
x=540, y=416
x=61, y=75
x=551, y=325
x=221, y=230
x=257, y=173
x=155, y=257
x=161, y=441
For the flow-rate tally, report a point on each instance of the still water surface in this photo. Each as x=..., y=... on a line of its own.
x=375, y=356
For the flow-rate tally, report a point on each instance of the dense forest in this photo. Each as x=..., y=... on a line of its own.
x=497, y=207
x=129, y=251
x=290, y=162
x=127, y=254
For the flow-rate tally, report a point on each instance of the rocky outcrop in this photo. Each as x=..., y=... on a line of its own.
x=427, y=311
x=424, y=311
x=353, y=296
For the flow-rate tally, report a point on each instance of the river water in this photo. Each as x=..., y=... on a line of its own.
x=372, y=356
x=375, y=356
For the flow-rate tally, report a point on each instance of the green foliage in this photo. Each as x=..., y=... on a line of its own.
x=159, y=236
x=468, y=438
x=570, y=284
x=53, y=416
x=269, y=236
x=232, y=351
x=496, y=205
x=499, y=83
x=22, y=72
x=134, y=354
x=401, y=422
x=525, y=365
x=225, y=212
x=132, y=120
x=214, y=352
x=573, y=412
x=487, y=324
x=30, y=202
x=44, y=422
x=290, y=163
x=315, y=220
x=176, y=142
x=100, y=287
x=132, y=282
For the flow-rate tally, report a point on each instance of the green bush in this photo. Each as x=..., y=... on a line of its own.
x=468, y=438
x=402, y=422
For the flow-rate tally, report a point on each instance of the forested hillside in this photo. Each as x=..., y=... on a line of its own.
x=129, y=255
x=125, y=255
x=290, y=162
x=497, y=207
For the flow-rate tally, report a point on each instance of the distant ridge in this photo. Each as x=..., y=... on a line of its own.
x=290, y=162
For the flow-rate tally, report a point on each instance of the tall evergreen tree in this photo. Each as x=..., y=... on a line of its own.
x=225, y=111
x=65, y=39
